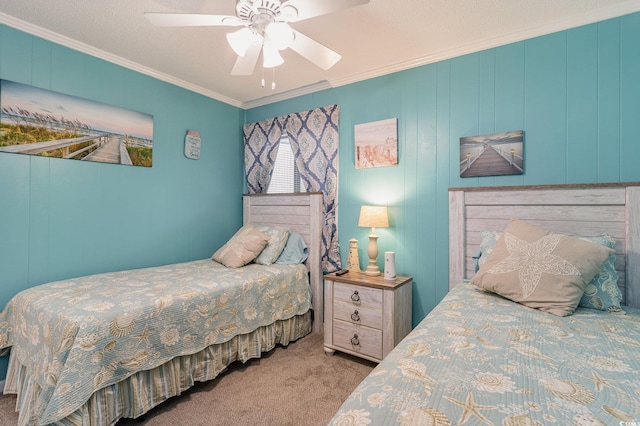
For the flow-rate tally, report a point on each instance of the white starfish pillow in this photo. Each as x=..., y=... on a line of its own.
x=541, y=269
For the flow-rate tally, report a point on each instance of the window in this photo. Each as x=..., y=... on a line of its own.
x=285, y=177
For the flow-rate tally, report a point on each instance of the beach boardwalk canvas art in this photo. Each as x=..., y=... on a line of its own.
x=376, y=143
x=492, y=155
x=36, y=121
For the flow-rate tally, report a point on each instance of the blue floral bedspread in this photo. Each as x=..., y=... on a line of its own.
x=480, y=359
x=79, y=335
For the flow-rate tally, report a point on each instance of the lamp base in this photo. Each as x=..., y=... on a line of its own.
x=372, y=268
x=372, y=271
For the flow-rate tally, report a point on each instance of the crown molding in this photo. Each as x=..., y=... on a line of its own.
x=590, y=17
x=562, y=24
x=109, y=57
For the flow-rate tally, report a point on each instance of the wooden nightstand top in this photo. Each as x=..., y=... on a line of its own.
x=359, y=278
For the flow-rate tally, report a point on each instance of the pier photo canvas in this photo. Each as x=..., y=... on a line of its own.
x=41, y=122
x=376, y=143
x=492, y=155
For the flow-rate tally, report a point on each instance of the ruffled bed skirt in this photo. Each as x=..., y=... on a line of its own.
x=144, y=390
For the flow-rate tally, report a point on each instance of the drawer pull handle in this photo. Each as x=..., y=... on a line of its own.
x=355, y=297
x=355, y=316
x=355, y=341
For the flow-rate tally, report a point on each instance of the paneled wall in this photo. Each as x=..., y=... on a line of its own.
x=576, y=95
x=65, y=218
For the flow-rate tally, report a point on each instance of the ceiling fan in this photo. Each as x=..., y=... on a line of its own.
x=266, y=29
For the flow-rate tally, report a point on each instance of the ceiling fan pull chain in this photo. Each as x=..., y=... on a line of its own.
x=273, y=79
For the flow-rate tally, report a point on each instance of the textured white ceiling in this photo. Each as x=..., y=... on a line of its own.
x=380, y=37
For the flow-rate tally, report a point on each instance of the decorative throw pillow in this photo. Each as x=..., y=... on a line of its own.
x=541, y=269
x=242, y=248
x=295, y=251
x=489, y=239
x=601, y=293
x=278, y=236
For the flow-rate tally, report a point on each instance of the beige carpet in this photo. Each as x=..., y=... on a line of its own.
x=295, y=385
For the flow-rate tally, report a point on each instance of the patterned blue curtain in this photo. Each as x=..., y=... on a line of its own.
x=314, y=140
x=260, y=151
x=314, y=137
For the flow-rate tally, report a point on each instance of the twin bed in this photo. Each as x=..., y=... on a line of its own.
x=92, y=350
x=479, y=358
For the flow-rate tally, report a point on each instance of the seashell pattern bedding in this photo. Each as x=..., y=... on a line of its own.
x=77, y=336
x=480, y=359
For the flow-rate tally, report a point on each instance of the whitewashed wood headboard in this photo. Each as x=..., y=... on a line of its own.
x=302, y=213
x=589, y=209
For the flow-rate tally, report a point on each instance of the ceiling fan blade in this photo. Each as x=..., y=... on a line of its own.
x=191, y=20
x=305, y=9
x=320, y=55
x=246, y=64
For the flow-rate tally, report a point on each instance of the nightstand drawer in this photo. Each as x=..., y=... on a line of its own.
x=357, y=295
x=363, y=340
x=362, y=315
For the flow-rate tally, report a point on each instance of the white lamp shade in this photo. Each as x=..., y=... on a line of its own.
x=241, y=40
x=279, y=34
x=270, y=56
x=373, y=217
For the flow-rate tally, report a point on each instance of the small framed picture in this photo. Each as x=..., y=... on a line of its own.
x=376, y=143
x=492, y=155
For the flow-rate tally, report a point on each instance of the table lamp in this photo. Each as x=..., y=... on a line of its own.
x=373, y=217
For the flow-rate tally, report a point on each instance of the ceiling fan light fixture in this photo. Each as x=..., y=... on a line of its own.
x=270, y=56
x=280, y=35
x=241, y=40
x=264, y=27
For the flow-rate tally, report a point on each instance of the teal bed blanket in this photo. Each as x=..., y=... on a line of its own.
x=79, y=335
x=480, y=359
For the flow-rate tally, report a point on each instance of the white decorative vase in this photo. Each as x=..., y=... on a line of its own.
x=389, y=265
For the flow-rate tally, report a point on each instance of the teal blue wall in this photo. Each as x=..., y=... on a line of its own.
x=576, y=95
x=65, y=218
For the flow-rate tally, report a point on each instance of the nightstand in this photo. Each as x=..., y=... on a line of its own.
x=365, y=316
